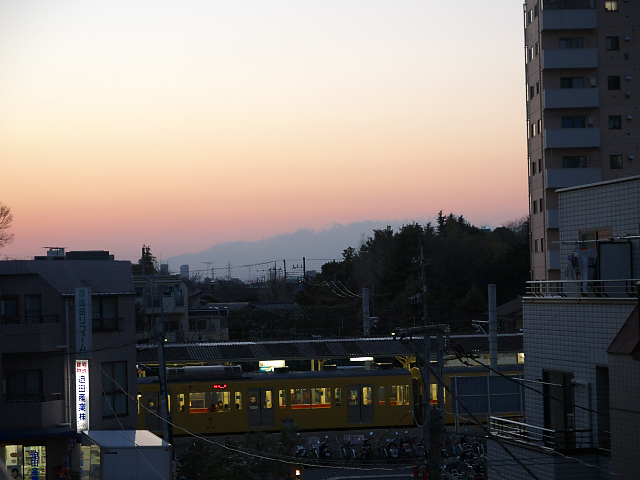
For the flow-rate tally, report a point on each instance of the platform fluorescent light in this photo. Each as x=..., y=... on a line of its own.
x=361, y=359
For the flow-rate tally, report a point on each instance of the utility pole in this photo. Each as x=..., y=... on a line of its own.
x=162, y=368
x=366, y=325
x=493, y=331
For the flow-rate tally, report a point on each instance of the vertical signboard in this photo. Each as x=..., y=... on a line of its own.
x=82, y=395
x=83, y=323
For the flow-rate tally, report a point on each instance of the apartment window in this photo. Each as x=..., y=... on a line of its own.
x=615, y=162
x=540, y=126
x=114, y=389
x=533, y=130
x=613, y=83
x=537, y=88
x=573, y=122
x=536, y=47
x=33, y=308
x=533, y=168
x=535, y=10
x=613, y=43
x=574, y=161
x=24, y=386
x=104, y=307
x=197, y=324
x=542, y=243
x=531, y=92
x=535, y=246
x=10, y=309
x=611, y=5
x=572, y=82
x=534, y=206
x=615, y=122
x=541, y=204
x=540, y=166
x=571, y=42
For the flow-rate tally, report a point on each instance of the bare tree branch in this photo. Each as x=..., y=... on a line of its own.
x=5, y=222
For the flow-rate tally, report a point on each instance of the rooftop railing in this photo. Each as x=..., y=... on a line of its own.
x=623, y=288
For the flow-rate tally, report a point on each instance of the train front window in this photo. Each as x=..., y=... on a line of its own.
x=399, y=395
x=253, y=401
x=353, y=396
x=238, y=401
x=300, y=398
x=320, y=398
x=367, y=396
x=282, y=398
x=338, y=397
x=267, y=400
x=381, y=395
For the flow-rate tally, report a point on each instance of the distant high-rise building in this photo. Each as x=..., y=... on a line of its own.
x=582, y=62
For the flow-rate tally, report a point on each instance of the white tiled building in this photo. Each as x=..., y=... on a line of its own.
x=568, y=326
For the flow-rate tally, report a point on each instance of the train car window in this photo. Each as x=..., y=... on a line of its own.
x=206, y=402
x=181, y=404
x=367, y=396
x=338, y=397
x=320, y=398
x=267, y=399
x=282, y=398
x=253, y=401
x=353, y=396
x=399, y=395
x=238, y=396
x=300, y=398
x=381, y=398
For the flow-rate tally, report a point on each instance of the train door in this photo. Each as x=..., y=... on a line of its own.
x=260, y=408
x=152, y=412
x=360, y=403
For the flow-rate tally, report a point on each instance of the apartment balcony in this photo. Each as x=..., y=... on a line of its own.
x=170, y=303
x=622, y=288
x=569, y=58
x=542, y=438
x=569, y=19
x=572, y=177
x=553, y=218
x=571, y=137
x=571, y=98
x=32, y=415
x=107, y=324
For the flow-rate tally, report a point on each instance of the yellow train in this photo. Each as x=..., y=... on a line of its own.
x=223, y=400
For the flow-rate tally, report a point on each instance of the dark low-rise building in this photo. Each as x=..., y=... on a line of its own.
x=40, y=409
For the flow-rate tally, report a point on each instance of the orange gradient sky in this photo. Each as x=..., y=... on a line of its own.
x=181, y=125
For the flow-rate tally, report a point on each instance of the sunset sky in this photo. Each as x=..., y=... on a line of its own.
x=182, y=125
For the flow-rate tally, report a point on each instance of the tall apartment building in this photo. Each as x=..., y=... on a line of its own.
x=583, y=91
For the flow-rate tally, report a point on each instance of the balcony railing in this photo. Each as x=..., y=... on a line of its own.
x=623, y=288
x=107, y=324
x=153, y=301
x=544, y=438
